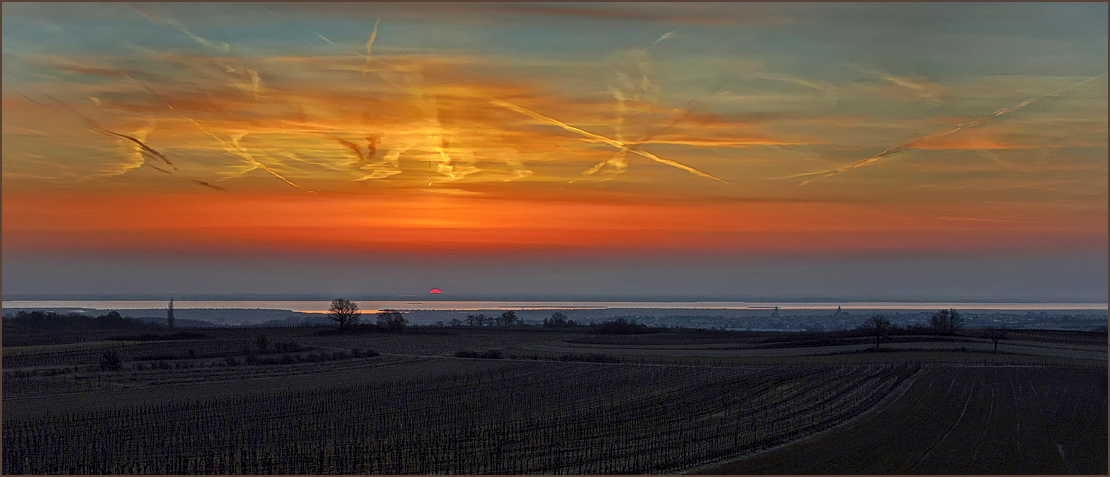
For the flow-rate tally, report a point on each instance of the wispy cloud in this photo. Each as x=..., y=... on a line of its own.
x=174, y=24
x=916, y=86
x=916, y=142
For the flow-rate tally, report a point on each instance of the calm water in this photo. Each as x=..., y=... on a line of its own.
x=369, y=305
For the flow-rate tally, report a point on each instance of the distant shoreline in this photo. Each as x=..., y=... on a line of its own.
x=320, y=306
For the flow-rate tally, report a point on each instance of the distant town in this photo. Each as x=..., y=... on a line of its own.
x=798, y=320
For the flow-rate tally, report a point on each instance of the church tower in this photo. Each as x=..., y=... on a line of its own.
x=169, y=315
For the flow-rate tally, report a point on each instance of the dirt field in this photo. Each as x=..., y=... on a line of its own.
x=1036, y=406
x=964, y=420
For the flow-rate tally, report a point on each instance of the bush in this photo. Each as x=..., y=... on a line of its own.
x=263, y=343
x=110, y=361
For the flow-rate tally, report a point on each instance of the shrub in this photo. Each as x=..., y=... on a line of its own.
x=263, y=343
x=110, y=361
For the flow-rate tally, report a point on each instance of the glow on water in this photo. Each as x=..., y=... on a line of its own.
x=321, y=306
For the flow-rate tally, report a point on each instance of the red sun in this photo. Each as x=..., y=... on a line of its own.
x=435, y=291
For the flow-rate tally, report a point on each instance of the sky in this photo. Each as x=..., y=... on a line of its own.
x=883, y=151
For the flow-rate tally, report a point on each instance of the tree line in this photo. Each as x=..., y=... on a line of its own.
x=347, y=316
x=49, y=320
x=943, y=322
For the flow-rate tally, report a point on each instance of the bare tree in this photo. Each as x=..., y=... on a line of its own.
x=946, y=321
x=345, y=312
x=478, y=320
x=507, y=318
x=877, y=325
x=557, y=320
x=995, y=334
x=392, y=320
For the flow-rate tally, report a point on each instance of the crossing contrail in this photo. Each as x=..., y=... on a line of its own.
x=621, y=146
x=144, y=150
x=148, y=151
x=232, y=146
x=945, y=132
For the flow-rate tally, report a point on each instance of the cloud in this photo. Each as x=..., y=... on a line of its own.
x=916, y=143
x=919, y=87
x=733, y=14
x=174, y=24
x=149, y=152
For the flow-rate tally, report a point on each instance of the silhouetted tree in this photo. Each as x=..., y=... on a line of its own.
x=455, y=322
x=877, y=325
x=345, y=312
x=558, y=320
x=946, y=321
x=995, y=334
x=476, y=320
x=507, y=318
x=392, y=320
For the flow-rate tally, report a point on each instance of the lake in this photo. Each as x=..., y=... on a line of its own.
x=447, y=305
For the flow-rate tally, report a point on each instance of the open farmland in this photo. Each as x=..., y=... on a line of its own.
x=529, y=418
x=964, y=420
x=210, y=402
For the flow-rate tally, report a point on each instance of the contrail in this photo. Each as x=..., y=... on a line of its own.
x=144, y=150
x=371, y=146
x=354, y=147
x=915, y=142
x=171, y=23
x=369, y=45
x=148, y=151
x=669, y=34
x=599, y=138
x=231, y=147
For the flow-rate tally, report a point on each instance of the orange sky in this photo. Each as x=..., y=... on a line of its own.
x=642, y=129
